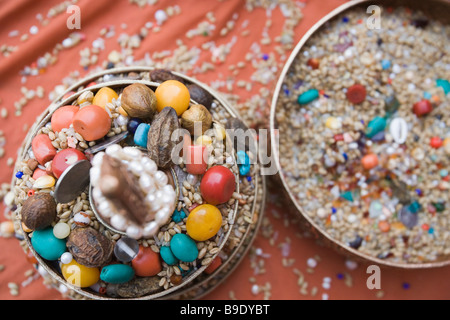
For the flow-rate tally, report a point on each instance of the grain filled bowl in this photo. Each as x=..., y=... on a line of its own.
x=361, y=114
x=106, y=247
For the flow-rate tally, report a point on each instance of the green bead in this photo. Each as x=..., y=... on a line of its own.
x=308, y=96
x=117, y=273
x=347, y=195
x=183, y=247
x=375, y=126
x=414, y=207
x=444, y=84
x=47, y=245
x=391, y=105
x=440, y=206
x=167, y=256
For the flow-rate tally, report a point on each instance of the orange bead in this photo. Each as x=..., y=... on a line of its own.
x=216, y=263
x=62, y=118
x=203, y=222
x=146, y=263
x=104, y=96
x=123, y=112
x=172, y=93
x=92, y=122
x=43, y=149
x=384, y=226
x=38, y=173
x=369, y=161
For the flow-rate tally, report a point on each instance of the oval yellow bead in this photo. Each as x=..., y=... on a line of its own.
x=204, y=222
x=104, y=96
x=44, y=182
x=172, y=93
x=79, y=275
x=203, y=140
x=123, y=112
x=333, y=123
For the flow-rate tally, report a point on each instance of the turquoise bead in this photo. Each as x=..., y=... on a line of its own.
x=308, y=96
x=141, y=135
x=385, y=64
x=375, y=126
x=167, y=256
x=347, y=195
x=444, y=84
x=243, y=162
x=117, y=273
x=47, y=245
x=183, y=247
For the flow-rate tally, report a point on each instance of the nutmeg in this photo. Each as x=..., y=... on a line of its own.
x=139, y=101
x=89, y=247
x=39, y=211
x=196, y=113
x=200, y=95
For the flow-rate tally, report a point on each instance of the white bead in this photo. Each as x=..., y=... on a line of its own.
x=162, y=215
x=98, y=158
x=160, y=16
x=161, y=178
x=66, y=258
x=134, y=232
x=9, y=198
x=82, y=219
x=136, y=167
x=149, y=165
x=311, y=262
x=119, y=222
x=150, y=229
x=192, y=179
x=146, y=182
x=61, y=230
x=121, y=120
x=134, y=153
x=113, y=150
x=94, y=174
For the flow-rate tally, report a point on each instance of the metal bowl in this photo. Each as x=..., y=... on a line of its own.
x=436, y=9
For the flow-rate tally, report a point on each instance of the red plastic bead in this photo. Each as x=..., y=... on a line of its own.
x=218, y=185
x=146, y=263
x=436, y=142
x=422, y=108
x=30, y=193
x=356, y=93
x=64, y=159
x=213, y=265
x=339, y=137
x=313, y=63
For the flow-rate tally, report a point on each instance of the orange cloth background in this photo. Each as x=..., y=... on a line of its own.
x=21, y=15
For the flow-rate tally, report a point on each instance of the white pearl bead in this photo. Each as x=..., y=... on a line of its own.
x=146, y=182
x=134, y=232
x=162, y=215
x=192, y=179
x=94, y=174
x=132, y=153
x=136, y=168
x=98, y=158
x=149, y=165
x=121, y=120
x=161, y=178
x=150, y=229
x=114, y=150
x=119, y=222
x=66, y=258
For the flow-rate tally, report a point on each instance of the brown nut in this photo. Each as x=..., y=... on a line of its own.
x=160, y=143
x=161, y=75
x=196, y=113
x=39, y=211
x=139, y=101
x=200, y=95
x=89, y=247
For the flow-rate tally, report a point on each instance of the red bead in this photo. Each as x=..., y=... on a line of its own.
x=217, y=185
x=436, y=142
x=213, y=265
x=339, y=137
x=64, y=159
x=146, y=263
x=422, y=107
x=356, y=93
x=30, y=193
x=425, y=227
x=196, y=159
x=42, y=148
x=313, y=63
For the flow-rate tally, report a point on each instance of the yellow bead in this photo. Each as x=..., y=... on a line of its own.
x=203, y=140
x=333, y=123
x=172, y=93
x=219, y=131
x=204, y=222
x=446, y=141
x=44, y=182
x=79, y=275
x=123, y=112
x=104, y=96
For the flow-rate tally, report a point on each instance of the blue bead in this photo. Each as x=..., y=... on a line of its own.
x=244, y=170
x=249, y=178
x=345, y=156
x=340, y=276
x=265, y=57
x=427, y=95
x=177, y=216
x=117, y=273
x=183, y=247
x=333, y=210
x=405, y=285
x=345, y=19
x=444, y=84
x=308, y=96
x=141, y=135
x=19, y=174
x=385, y=64
x=133, y=124
x=243, y=162
x=431, y=230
